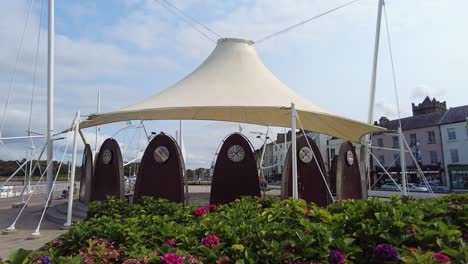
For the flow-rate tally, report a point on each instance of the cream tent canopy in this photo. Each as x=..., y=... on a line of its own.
x=233, y=84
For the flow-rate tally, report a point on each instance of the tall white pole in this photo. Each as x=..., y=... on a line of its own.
x=402, y=160
x=365, y=170
x=295, y=190
x=180, y=133
x=98, y=110
x=72, y=171
x=50, y=97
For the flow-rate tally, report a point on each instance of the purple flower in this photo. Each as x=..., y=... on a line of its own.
x=42, y=260
x=172, y=258
x=337, y=257
x=171, y=242
x=210, y=241
x=386, y=252
x=442, y=258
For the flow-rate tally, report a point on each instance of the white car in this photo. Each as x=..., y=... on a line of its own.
x=414, y=187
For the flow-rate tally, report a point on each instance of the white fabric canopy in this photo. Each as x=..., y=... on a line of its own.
x=233, y=84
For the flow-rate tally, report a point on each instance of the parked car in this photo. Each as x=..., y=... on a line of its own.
x=413, y=187
x=409, y=186
x=389, y=187
x=435, y=187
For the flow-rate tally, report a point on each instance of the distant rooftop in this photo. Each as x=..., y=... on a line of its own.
x=426, y=114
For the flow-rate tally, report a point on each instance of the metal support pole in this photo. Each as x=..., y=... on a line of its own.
x=50, y=97
x=365, y=159
x=263, y=152
x=295, y=190
x=402, y=160
x=72, y=171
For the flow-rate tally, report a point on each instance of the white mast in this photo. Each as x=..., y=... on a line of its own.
x=295, y=190
x=365, y=170
x=50, y=96
x=97, y=127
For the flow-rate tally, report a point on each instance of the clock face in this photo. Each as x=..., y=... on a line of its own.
x=107, y=156
x=161, y=154
x=236, y=153
x=349, y=157
x=305, y=155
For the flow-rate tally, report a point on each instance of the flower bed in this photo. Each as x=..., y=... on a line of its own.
x=251, y=230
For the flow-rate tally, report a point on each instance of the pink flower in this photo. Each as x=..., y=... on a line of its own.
x=210, y=241
x=307, y=232
x=212, y=207
x=172, y=258
x=189, y=259
x=171, y=242
x=411, y=230
x=223, y=260
x=200, y=211
x=132, y=261
x=442, y=258
x=309, y=213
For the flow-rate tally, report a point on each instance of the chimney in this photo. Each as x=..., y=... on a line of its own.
x=383, y=121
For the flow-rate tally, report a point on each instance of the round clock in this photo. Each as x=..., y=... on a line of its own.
x=236, y=153
x=107, y=156
x=305, y=155
x=161, y=154
x=349, y=157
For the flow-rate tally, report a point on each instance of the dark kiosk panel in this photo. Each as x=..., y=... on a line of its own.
x=311, y=186
x=348, y=178
x=108, y=172
x=86, y=175
x=161, y=172
x=235, y=173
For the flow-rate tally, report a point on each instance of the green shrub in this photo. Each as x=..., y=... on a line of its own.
x=253, y=230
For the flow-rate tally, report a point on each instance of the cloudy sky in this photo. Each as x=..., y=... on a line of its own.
x=131, y=49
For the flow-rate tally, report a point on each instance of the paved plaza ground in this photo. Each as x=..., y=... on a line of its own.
x=26, y=224
x=198, y=195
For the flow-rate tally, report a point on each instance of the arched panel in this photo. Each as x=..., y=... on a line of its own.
x=311, y=186
x=162, y=171
x=108, y=176
x=235, y=173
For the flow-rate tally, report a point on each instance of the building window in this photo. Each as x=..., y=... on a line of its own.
x=452, y=134
x=382, y=159
x=332, y=153
x=380, y=142
x=395, y=142
x=431, y=137
x=454, y=155
x=413, y=140
x=396, y=157
x=433, y=155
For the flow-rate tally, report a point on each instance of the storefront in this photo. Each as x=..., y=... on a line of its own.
x=458, y=175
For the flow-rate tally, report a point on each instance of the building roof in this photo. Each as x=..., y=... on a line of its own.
x=435, y=117
x=455, y=115
x=413, y=122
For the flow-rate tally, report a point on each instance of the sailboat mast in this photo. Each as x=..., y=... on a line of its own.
x=370, y=116
x=50, y=95
x=365, y=145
